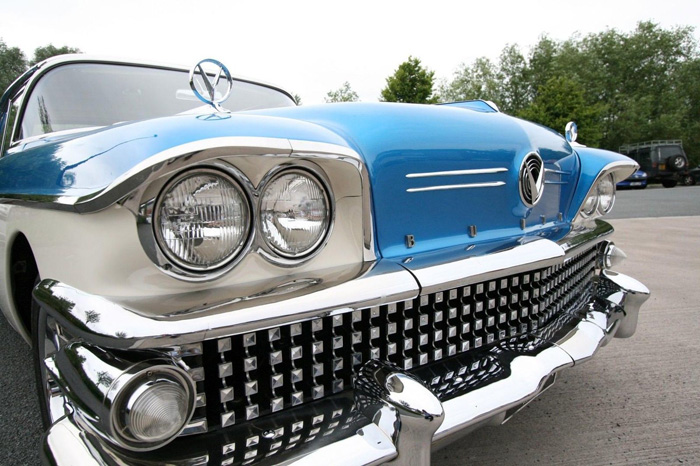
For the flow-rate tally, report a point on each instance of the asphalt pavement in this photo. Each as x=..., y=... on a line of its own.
x=636, y=402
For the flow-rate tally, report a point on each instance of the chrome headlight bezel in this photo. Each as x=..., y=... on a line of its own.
x=269, y=250
x=135, y=384
x=178, y=265
x=592, y=206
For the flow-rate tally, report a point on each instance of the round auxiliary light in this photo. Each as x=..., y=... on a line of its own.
x=294, y=213
x=606, y=194
x=202, y=219
x=155, y=407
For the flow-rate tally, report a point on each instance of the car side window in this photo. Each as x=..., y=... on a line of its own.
x=8, y=122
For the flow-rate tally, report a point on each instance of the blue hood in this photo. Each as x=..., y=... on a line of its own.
x=397, y=140
x=394, y=140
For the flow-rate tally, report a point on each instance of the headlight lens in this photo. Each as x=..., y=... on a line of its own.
x=153, y=407
x=202, y=219
x=590, y=204
x=157, y=411
x=294, y=213
x=606, y=194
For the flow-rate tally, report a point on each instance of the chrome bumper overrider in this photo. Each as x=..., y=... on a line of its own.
x=401, y=420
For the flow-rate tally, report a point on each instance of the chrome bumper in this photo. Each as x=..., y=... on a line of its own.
x=397, y=418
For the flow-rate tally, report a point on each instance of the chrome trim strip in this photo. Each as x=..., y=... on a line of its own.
x=67, y=444
x=456, y=186
x=442, y=272
x=556, y=172
x=130, y=325
x=453, y=274
x=556, y=182
x=481, y=171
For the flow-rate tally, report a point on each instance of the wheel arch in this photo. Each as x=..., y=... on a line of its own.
x=22, y=272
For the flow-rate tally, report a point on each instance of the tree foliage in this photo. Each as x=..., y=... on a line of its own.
x=12, y=64
x=343, y=94
x=13, y=61
x=410, y=83
x=619, y=87
x=48, y=51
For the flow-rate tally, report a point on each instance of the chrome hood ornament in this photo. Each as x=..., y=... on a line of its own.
x=531, y=179
x=205, y=81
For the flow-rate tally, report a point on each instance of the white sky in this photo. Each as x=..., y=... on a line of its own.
x=311, y=47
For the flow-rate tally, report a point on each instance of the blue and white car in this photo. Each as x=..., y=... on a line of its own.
x=244, y=281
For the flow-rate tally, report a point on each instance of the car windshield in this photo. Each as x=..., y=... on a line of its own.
x=90, y=94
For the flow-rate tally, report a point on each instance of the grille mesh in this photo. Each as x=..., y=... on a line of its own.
x=251, y=375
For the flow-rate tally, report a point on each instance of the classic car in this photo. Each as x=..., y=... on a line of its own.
x=244, y=281
x=637, y=180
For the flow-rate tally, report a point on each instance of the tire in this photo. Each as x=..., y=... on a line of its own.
x=46, y=339
x=669, y=183
x=676, y=163
x=687, y=180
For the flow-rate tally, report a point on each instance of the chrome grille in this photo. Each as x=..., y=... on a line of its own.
x=255, y=374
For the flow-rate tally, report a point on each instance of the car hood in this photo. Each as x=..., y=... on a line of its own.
x=407, y=149
x=399, y=143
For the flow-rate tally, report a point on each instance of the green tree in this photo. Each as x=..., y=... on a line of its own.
x=48, y=51
x=481, y=80
x=12, y=64
x=410, y=83
x=514, y=83
x=561, y=100
x=343, y=94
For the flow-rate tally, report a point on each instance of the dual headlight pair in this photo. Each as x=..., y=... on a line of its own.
x=204, y=218
x=600, y=198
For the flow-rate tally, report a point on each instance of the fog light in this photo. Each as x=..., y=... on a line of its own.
x=154, y=407
x=156, y=410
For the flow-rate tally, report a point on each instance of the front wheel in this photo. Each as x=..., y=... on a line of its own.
x=687, y=180
x=669, y=183
x=47, y=339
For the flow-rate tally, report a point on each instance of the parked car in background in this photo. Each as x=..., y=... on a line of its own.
x=245, y=281
x=663, y=160
x=637, y=180
x=691, y=177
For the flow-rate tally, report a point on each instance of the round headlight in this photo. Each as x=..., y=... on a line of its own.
x=202, y=219
x=590, y=204
x=294, y=213
x=606, y=194
x=153, y=408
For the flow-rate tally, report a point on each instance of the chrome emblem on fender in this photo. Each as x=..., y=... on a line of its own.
x=204, y=82
x=531, y=179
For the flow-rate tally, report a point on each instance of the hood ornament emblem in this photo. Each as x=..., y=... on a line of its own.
x=531, y=179
x=205, y=81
